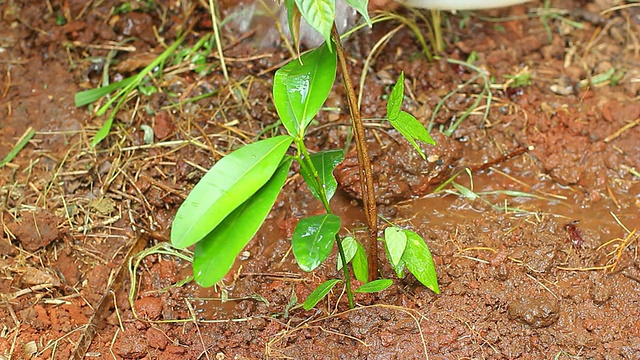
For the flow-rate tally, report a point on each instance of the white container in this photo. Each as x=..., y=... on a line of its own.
x=462, y=4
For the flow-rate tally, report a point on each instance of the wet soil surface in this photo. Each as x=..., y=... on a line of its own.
x=531, y=213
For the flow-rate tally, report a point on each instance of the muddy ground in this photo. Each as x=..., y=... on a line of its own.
x=540, y=261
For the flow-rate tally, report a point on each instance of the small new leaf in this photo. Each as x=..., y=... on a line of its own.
x=374, y=286
x=395, y=99
x=412, y=130
x=396, y=241
x=350, y=247
x=406, y=124
x=398, y=268
x=362, y=8
x=319, y=293
x=420, y=262
x=360, y=264
x=320, y=14
x=324, y=162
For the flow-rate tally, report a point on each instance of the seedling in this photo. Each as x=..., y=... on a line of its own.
x=229, y=204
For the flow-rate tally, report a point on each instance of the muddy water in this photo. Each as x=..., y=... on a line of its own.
x=598, y=220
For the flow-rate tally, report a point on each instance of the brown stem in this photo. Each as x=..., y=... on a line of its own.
x=364, y=163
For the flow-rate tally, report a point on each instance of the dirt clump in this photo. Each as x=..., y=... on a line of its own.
x=36, y=230
x=400, y=172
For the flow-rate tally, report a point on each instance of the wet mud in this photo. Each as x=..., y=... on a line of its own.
x=535, y=245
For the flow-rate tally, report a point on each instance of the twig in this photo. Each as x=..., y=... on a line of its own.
x=216, y=33
x=364, y=163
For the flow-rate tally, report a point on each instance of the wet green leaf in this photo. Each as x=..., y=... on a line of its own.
x=229, y=183
x=395, y=240
x=420, y=262
x=319, y=293
x=215, y=254
x=374, y=286
x=354, y=253
x=301, y=87
x=313, y=239
x=320, y=14
x=324, y=162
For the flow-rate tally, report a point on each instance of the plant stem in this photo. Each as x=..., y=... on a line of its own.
x=364, y=163
x=304, y=159
x=345, y=270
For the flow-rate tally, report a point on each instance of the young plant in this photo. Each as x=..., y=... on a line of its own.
x=229, y=204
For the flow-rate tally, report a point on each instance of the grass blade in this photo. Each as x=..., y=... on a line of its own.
x=21, y=144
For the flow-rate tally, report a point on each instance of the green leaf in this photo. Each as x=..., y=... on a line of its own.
x=24, y=140
x=362, y=7
x=320, y=14
x=103, y=132
x=87, y=97
x=405, y=123
x=395, y=99
x=465, y=191
x=215, y=254
x=324, y=162
x=360, y=264
x=301, y=87
x=374, y=286
x=229, y=183
x=313, y=239
x=147, y=90
x=398, y=268
x=320, y=292
x=350, y=247
x=411, y=129
x=420, y=262
x=396, y=242
x=354, y=252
